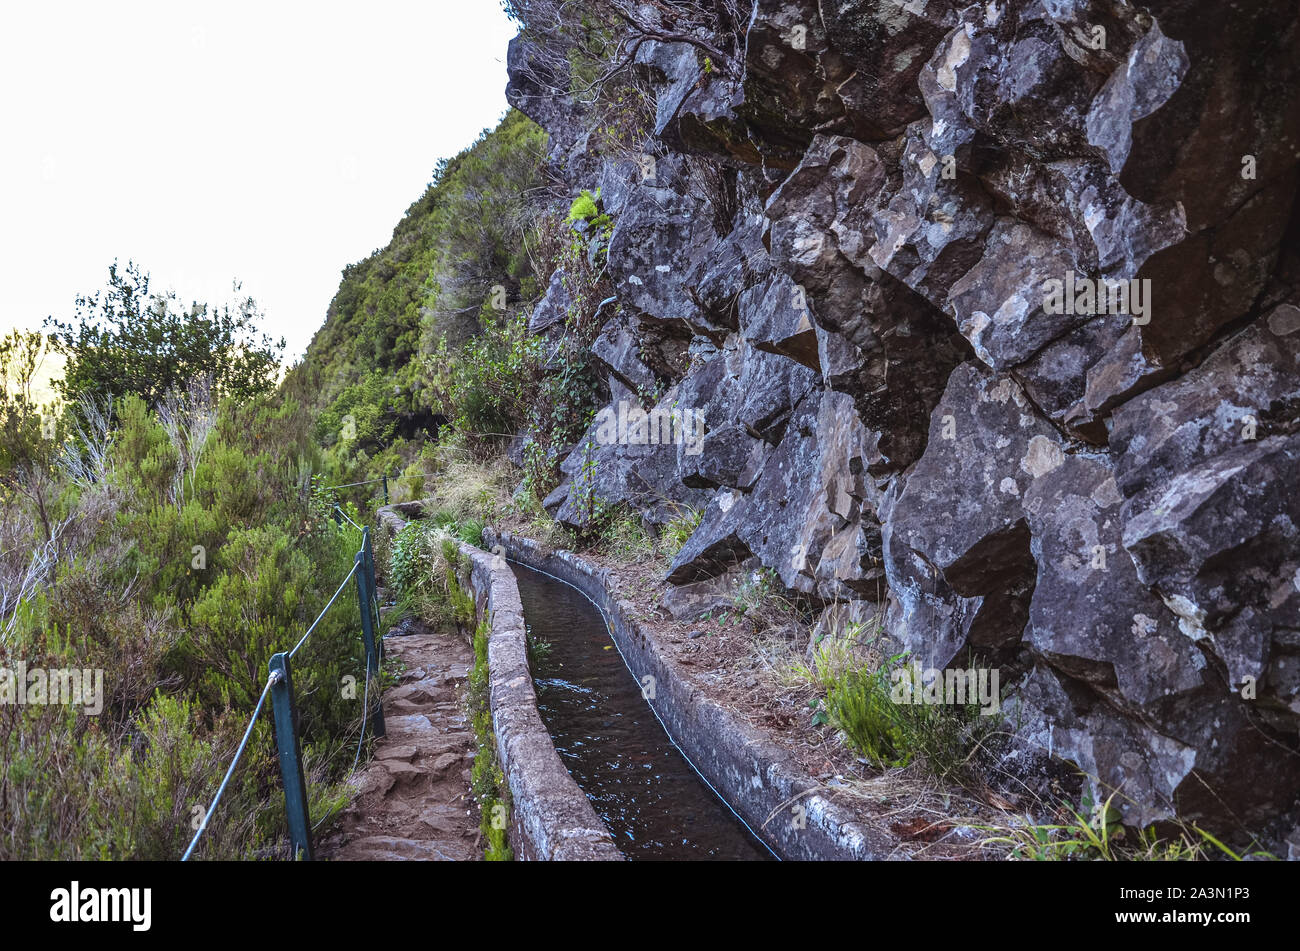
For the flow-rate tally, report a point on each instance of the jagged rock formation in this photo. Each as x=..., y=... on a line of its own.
x=1099, y=495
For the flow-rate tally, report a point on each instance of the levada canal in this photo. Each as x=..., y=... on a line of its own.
x=649, y=796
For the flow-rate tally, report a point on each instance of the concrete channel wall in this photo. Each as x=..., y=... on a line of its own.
x=551, y=817
x=782, y=804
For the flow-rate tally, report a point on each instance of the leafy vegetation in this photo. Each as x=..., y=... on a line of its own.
x=174, y=548
x=487, y=779
x=1093, y=832
x=127, y=340
x=864, y=704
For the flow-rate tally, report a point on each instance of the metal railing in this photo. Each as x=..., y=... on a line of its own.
x=279, y=684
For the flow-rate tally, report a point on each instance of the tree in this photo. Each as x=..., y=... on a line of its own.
x=27, y=434
x=127, y=340
x=20, y=417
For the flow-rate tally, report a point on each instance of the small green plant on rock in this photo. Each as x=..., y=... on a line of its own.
x=539, y=651
x=586, y=207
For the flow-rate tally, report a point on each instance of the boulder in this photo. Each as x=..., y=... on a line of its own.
x=955, y=536
x=810, y=514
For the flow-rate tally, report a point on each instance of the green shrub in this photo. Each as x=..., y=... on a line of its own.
x=679, y=529
x=470, y=531
x=185, y=564
x=424, y=565
x=584, y=206
x=859, y=704
x=130, y=340
x=411, y=566
x=948, y=738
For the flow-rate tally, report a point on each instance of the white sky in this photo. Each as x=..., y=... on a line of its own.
x=274, y=142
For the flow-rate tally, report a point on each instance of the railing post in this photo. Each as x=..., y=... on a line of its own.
x=286, y=741
x=385, y=488
x=368, y=634
x=369, y=549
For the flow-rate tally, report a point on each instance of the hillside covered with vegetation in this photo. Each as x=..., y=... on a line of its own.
x=822, y=232
x=427, y=338
x=164, y=517
x=169, y=548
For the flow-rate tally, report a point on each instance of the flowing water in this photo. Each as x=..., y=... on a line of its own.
x=648, y=795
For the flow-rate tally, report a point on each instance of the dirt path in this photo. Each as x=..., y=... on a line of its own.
x=414, y=799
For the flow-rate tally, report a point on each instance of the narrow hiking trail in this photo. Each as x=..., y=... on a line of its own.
x=413, y=800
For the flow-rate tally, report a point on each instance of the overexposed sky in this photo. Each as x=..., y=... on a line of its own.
x=274, y=142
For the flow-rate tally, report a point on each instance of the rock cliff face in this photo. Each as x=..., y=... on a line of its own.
x=991, y=315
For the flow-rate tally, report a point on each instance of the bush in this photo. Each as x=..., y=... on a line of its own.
x=859, y=705
x=186, y=555
x=948, y=738
x=127, y=340
x=411, y=566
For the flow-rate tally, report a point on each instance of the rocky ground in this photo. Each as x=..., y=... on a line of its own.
x=413, y=798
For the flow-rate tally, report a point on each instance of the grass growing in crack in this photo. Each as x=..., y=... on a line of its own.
x=487, y=779
x=461, y=601
x=616, y=532
x=855, y=689
x=527, y=516
x=678, y=529
x=1093, y=832
x=858, y=703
